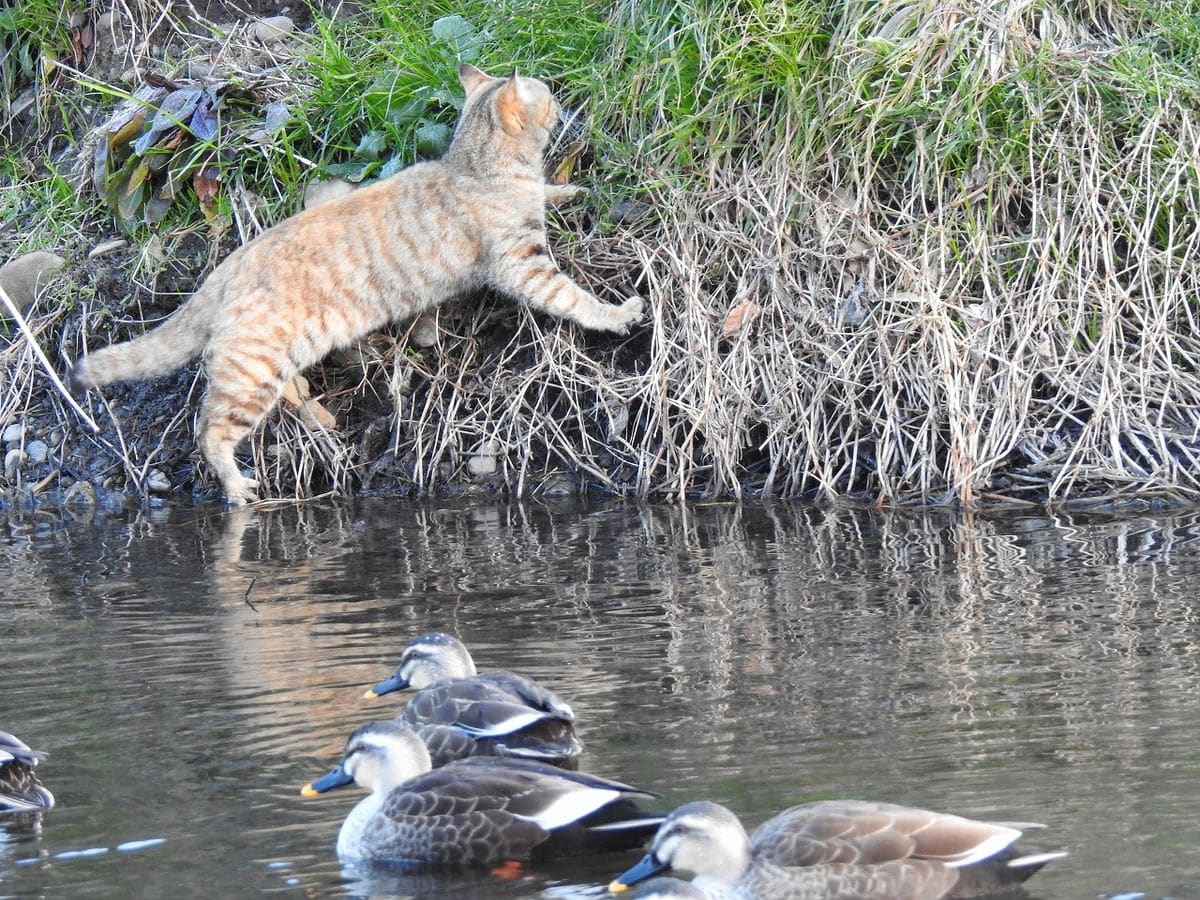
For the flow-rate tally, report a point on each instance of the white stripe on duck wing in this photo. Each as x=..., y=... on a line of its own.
x=505, y=714
x=20, y=788
x=475, y=812
x=837, y=848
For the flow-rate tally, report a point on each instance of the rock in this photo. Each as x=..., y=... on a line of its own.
x=629, y=212
x=14, y=433
x=484, y=463
x=424, y=331
x=318, y=192
x=558, y=484
x=199, y=69
x=13, y=460
x=22, y=277
x=157, y=482
x=272, y=29
x=37, y=451
x=105, y=247
x=57, y=436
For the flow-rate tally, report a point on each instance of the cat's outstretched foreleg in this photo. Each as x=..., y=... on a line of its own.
x=534, y=279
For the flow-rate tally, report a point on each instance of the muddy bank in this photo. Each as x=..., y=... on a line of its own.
x=849, y=301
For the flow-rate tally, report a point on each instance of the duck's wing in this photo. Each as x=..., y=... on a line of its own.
x=864, y=833
x=498, y=719
x=446, y=743
x=530, y=693
x=483, y=811
x=897, y=880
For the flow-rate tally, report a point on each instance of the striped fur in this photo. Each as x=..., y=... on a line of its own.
x=320, y=280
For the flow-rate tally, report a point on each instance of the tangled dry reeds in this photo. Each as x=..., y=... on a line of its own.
x=917, y=251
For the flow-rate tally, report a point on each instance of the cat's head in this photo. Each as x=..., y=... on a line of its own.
x=523, y=108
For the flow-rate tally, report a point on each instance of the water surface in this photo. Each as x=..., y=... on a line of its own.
x=189, y=669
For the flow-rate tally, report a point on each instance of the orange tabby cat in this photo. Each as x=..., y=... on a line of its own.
x=473, y=219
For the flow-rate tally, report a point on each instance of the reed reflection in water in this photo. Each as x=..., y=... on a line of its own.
x=189, y=669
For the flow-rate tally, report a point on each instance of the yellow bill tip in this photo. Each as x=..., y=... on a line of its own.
x=307, y=791
x=370, y=695
x=618, y=887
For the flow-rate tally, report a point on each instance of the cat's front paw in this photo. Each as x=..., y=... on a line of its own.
x=628, y=313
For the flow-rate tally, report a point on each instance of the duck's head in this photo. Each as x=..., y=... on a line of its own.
x=428, y=659
x=701, y=839
x=378, y=756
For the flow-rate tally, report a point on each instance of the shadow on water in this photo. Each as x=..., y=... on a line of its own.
x=189, y=669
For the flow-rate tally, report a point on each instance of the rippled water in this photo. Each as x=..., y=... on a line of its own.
x=189, y=670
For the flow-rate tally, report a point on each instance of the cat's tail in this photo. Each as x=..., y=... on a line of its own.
x=157, y=352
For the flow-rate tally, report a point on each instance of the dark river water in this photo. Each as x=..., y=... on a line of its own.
x=189, y=669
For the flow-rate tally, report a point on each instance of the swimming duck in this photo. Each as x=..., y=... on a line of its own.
x=836, y=849
x=482, y=811
x=502, y=714
x=20, y=788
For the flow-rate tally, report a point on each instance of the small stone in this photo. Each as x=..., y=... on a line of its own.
x=558, y=485
x=37, y=451
x=22, y=277
x=157, y=482
x=81, y=493
x=13, y=460
x=484, y=463
x=629, y=212
x=14, y=433
x=272, y=29
x=106, y=247
x=318, y=192
x=424, y=331
x=199, y=69
x=57, y=436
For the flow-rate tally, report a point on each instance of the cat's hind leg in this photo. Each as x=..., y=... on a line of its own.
x=245, y=382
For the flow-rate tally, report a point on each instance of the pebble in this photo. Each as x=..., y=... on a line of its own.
x=272, y=29
x=21, y=277
x=37, y=451
x=14, y=433
x=81, y=492
x=13, y=460
x=107, y=247
x=424, y=331
x=157, y=482
x=484, y=462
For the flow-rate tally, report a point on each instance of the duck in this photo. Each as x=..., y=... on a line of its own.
x=835, y=849
x=498, y=713
x=480, y=811
x=20, y=788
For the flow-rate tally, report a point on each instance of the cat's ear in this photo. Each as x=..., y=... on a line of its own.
x=470, y=77
x=511, y=106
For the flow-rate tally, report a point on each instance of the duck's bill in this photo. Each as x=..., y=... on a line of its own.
x=335, y=778
x=647, y=867
x=395, y=683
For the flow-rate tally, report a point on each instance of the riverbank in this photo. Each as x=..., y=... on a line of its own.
x=898, y=253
